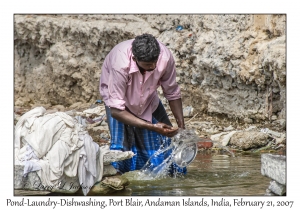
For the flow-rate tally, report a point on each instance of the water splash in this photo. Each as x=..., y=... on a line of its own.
x=161, y=171
x=181, y=151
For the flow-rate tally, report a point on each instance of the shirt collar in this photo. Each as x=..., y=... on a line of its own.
x=133, y=66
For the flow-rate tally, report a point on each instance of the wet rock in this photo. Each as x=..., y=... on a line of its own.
x=269, y=193
x=115, y=182
x=248, y=139
x=277, y=188
x=99, y=189
x=109, y=184
x=274, y=166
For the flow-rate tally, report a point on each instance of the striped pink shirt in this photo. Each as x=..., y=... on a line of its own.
x=122, y=85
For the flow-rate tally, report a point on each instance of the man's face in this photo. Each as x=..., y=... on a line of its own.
x=146, y=65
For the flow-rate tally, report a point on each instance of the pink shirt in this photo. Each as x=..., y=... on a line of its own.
x=122, y=85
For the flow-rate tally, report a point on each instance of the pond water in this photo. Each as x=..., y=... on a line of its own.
x=208, y=175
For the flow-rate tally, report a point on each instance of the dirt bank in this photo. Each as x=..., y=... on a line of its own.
x=231, y=68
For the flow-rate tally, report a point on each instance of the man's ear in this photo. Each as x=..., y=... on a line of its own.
x=133, y=58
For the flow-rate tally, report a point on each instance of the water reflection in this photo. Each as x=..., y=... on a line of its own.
x=211, y=175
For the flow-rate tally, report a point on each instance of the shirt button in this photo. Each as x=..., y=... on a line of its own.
x=141, y=105
x=140, y=82
x=142, y=95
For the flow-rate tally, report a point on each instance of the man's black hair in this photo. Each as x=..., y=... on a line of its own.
x=145, y=48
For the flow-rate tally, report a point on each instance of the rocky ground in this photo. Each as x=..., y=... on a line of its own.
x=233, y=134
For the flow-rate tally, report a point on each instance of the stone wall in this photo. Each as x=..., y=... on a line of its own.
x=233, y=65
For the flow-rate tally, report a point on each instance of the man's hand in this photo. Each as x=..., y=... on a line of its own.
x=165, y=129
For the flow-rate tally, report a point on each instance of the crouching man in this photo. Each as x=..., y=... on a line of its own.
x=138, y=122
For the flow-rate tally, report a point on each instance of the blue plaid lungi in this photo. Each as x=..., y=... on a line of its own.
x=142, y=142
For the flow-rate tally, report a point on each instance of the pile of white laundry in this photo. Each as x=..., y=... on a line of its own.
x=55, y=144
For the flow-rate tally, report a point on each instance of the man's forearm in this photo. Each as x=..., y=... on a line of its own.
x=176, y=108
x=129, y=119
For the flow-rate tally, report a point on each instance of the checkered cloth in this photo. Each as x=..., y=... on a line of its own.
x=142, y=142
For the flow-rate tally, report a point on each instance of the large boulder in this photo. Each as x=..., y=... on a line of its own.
x=248, y=140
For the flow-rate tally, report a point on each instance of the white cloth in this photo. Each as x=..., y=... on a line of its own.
x=58, y=145
x=90, y=169
x=25, y=121
x=28, y=158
